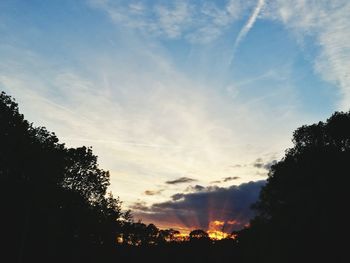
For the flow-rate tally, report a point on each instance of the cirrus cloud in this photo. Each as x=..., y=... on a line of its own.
x=327, y=23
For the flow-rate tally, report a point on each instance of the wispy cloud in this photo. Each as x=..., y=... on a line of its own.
x=215, y=182
x=327, y=23
x=247, y=26
x=195, y=188
x=230, y=178
x=181, y=180
x=139, y=206
x=153, y=192
x=260, y=163
x=196, y=22
x=172, y=20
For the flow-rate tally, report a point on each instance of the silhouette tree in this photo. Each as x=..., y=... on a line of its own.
x=198, y=234
x=301, y=210
x=83, y=175
x=151, y=234
x=53, y=199
x=168, y=235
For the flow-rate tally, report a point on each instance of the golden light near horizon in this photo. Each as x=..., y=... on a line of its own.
x=217, y=235
x=215, y=231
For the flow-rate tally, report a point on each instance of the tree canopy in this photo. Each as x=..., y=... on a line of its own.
x=303, y=205
x=53, y=198
x=198, y=234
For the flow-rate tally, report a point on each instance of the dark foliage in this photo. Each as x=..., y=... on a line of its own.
x=302, y=208
x=198, y=234
x=53, y=198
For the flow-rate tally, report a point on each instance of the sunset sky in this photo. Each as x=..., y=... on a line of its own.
x=186, y=103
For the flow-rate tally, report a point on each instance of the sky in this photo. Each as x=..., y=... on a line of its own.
x=186, y=103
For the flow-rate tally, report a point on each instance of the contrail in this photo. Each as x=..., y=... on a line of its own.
x=245, y=29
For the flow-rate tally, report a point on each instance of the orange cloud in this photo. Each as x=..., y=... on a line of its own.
x=217, y=223
x=232, y=222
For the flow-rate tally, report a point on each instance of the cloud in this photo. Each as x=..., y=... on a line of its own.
x=230, y=178
x=181, y=180
x=139, y=206
x=247, y=26
x=199, y=209
x=171, y=20
x=177, y=197
x=153, y=192
x=196, y=22
x=327, y=23
x=259, y=163
x=137, y=8
x=215, y=182
x=196, y=188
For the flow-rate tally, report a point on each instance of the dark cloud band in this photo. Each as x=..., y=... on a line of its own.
x=199, y=209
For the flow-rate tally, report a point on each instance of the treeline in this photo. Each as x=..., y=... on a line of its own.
x=55, y=206
x=302, y=209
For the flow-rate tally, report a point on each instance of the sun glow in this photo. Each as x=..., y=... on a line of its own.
x=217, y=227
x=217, y=230
x=213, y=234
x=217, y=235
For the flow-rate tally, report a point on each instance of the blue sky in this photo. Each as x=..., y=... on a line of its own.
x=170, y=89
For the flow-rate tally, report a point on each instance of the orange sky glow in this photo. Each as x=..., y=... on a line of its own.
x=216, y=230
